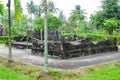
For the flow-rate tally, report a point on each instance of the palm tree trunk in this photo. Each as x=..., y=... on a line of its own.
x=9, y=25
x=45, y=38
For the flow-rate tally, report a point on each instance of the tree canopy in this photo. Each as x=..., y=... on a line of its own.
x=31, y=7
x=53, y=22
x=110, y=25
x=110, y=9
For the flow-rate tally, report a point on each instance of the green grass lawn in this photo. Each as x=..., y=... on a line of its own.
x=8, y=74
x=110, y=73
x=22, y=71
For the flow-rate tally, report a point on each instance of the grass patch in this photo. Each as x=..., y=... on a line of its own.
x=8, y=74
x=104, y=74
x=22, y=71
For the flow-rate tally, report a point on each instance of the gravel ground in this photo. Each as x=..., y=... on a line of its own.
x=25, y=55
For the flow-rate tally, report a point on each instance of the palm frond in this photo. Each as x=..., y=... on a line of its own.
x=18, y=10
x=1, y=8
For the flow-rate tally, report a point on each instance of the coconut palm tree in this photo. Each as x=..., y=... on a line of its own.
x=52, y=7
x=79, y=11
x=45, y=38
x=18, y=17
x=31, y=7
x=39, y=10
x=77, y=16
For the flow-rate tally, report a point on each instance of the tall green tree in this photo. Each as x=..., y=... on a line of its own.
x=110, y=25
x=97, y=20
x=110, y=9
x=53, y=22
x=79, y=11
x=76, y=18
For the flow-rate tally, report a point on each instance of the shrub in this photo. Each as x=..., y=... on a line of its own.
x=98, y=37
x=4, y=39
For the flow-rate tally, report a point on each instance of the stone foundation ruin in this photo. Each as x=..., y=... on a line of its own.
x=70, y=46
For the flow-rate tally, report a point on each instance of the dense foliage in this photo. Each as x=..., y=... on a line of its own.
x=110, y=25
x=53, y=22
x=104, y=21
x=4, y=39
x=76, y=22
x=110, y=9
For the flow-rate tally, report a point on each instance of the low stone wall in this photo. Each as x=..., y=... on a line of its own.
x=22, y=39
x=74, y=46
x=52, y=35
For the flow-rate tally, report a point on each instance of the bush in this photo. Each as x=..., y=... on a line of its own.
x=4, y=39
x=98, y=37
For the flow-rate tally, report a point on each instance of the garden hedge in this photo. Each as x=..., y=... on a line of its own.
x=98, y=37
x=3, y=39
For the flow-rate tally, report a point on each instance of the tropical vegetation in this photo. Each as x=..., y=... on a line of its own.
x=2, y=9
x=102, y=25
x=76, y=22
x=110, y=10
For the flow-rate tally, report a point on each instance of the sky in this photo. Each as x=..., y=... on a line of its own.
x=91, y=6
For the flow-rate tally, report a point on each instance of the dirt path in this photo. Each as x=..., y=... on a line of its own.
x=26, y=56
